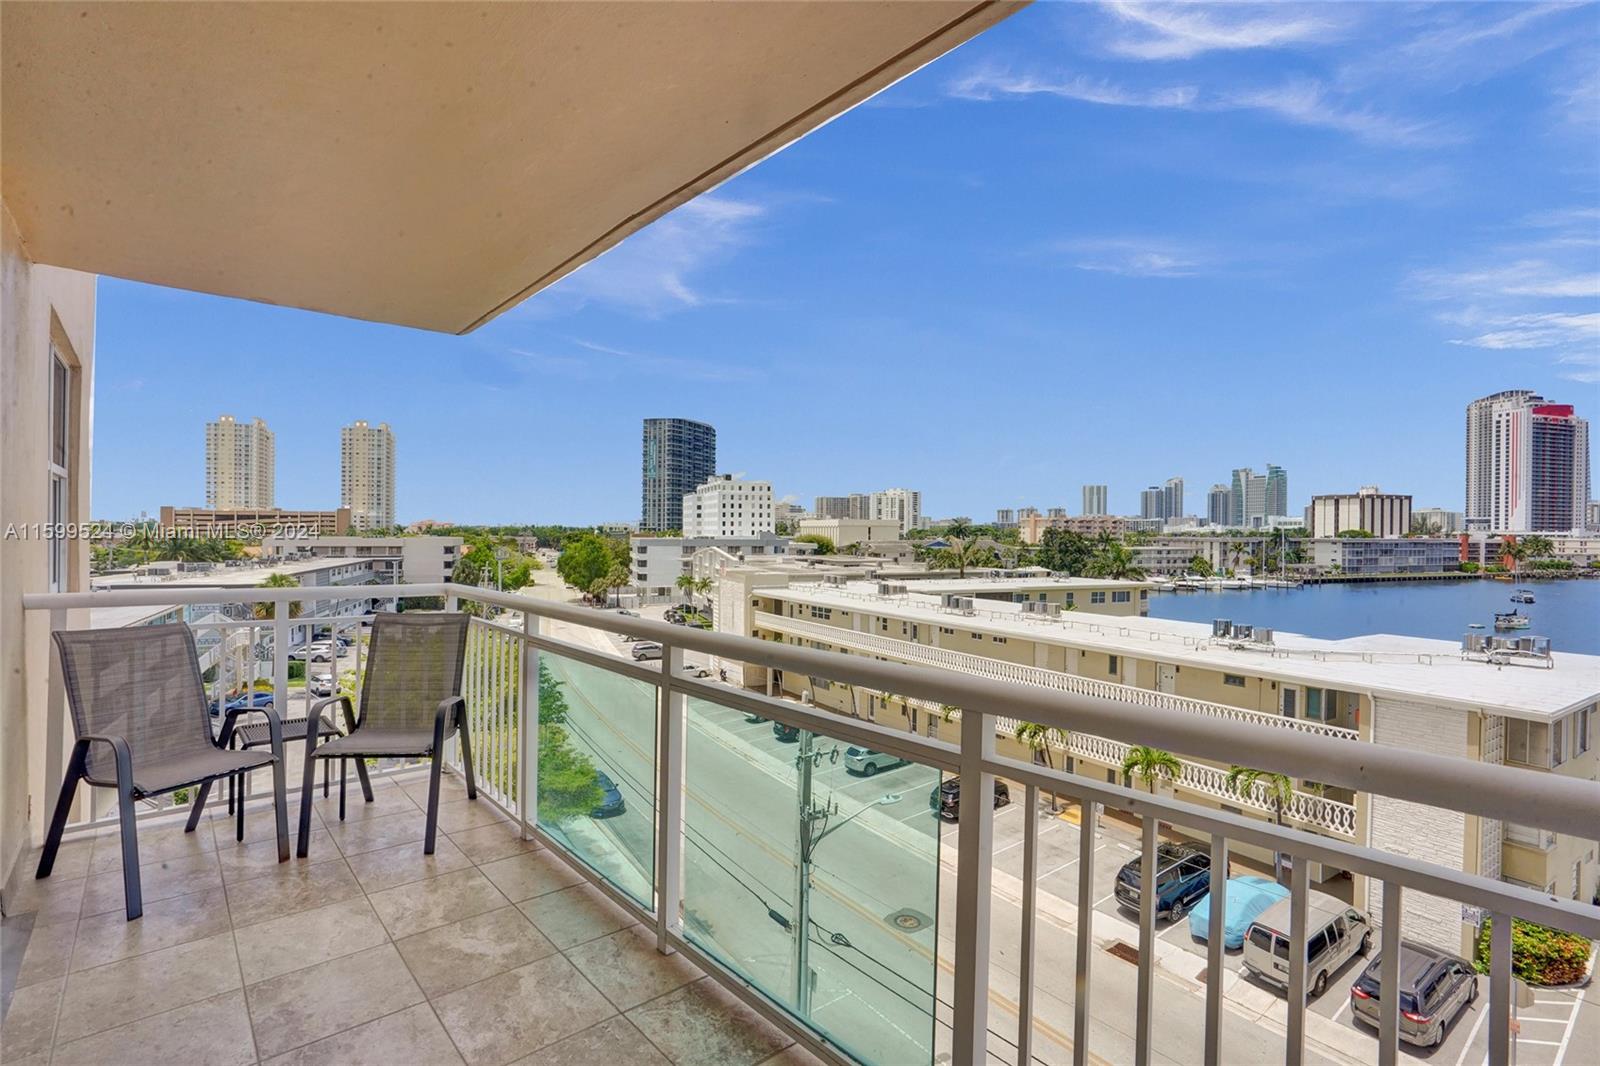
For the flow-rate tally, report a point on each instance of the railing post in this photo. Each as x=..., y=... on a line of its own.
x=1499, y=989
x=974, y=863
x=670, y=715
x=1144, y=1006
x=1088, y=815
x=1294, y=1051
x=528, y=729
x=452, y=752
x=1217, y=916
x=1389, y=976
x=1030, y=891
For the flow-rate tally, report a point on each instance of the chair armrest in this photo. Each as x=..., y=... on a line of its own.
x=274, y=730
x=447, y=706
x=315, y=714
x=119, y=749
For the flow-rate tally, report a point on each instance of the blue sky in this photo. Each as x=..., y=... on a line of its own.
x=1101, y=243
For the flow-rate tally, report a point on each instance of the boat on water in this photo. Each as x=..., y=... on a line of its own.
x=1522, y=596
x=1511, y=620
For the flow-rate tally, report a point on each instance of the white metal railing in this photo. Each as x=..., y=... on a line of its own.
x=1034, y=675
x=505, y=661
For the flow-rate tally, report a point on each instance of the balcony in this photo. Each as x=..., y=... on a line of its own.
x=670, y=928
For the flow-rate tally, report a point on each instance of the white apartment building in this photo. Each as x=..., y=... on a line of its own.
x=1527, y=464
x=725, y=508
x=1446, y=520
x=846, y=531
x=241, y=464
x=658, y=562
x=1383, y=514
x=903, y=506
x=366, y=474
x=426, y=560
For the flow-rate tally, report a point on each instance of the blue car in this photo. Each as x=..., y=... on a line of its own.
x=1247, y=899
x=257, y=700
x=611, y=801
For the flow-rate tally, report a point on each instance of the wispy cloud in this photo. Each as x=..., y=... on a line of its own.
x=1135, y=257
x=1182, y=31
x=1510, y=301
x=994, y=84
x=1467, y=29
x=593, y=361
x=661, y=269
x=1303, y=102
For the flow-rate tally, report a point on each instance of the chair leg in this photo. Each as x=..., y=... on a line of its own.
x=308, y=789
x=361, y=772
x=243, y=792
x=280, y=806
x=131, y=892
x=58, y=821
x=466, y=754
x=327, y=768
x=433, y=800
x=344, y=776
x=199, y=807
x=230, y=795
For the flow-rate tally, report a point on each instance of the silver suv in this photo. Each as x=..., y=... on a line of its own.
x=867, y=762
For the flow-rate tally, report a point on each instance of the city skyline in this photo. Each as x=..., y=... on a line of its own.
x=1395, y=204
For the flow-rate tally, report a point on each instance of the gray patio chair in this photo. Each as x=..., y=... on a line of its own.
x=144, y=728
x=411, y=704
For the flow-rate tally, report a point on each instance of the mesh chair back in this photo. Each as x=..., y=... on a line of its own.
x=142, y=684
x=415, y=661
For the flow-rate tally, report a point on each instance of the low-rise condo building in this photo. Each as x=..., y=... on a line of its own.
x=250, y=523
x=658, y=562
x=1533, y=709
x=415, y=560
x=1384, y=555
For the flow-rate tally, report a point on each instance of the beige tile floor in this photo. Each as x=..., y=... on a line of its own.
x=490, y=951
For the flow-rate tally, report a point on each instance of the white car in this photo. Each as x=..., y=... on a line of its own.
x=317, y=652
x=320, y=684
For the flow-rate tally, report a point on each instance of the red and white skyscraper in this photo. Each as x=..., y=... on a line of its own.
x=1527, y=464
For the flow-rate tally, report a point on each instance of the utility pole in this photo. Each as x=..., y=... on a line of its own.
x=805, y=765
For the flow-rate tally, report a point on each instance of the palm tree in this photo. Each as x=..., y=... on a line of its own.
x=686, y=584
x=1201, y=565
x=1115, y=560
x=958, y=530
x=1243, y=781
x=962, y=554
x=1538, y=546
x=1039, y=738
x=278, y=581
x=1236, y=553
x=1516, y=551
x=704, y=586
x=1147, y=764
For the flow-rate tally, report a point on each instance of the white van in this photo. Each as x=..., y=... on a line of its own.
x=1335, y=931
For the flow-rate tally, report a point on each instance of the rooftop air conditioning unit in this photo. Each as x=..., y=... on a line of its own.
x=1263, y=635
x=1473, y=642
x=1221, y=627
x=1241, y=631
x=950, y=599
x=967, y=605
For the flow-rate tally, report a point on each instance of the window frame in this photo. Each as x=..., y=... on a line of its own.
x=58, y=471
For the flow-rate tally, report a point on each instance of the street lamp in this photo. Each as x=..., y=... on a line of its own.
x=816, y=825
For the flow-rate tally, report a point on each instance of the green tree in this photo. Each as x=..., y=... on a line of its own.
x=1064, y=551
x=824, y=544
x=1148, y=764
x=585, y=561
x=568, y=786
x=278, y=581
x=1355, y=533
x=962, y=554
x=1278, y=790
x=1201, y=565
x=1516, y=551
x=686, y=584
x=1039, y=739
x=1115, y=560
x=1538, y=546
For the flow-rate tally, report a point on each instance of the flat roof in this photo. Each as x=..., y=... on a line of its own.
x=429, y=165
x=940, y=585
x=1380, y=663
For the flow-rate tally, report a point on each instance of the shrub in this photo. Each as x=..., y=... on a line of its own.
x=1539, y=955
x=297, y=670
x=1469, y=568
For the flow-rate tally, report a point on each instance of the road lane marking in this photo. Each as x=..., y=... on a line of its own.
x=1018, y=843
x=1472, y=1036
x=1566, y=1036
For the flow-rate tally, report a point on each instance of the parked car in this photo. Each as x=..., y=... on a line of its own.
x=611, y=802
x=630, y=614
x=945, y=801
x=319, y=651
x=1435, y=989
x=788, y=734
x=646, y=650
x=867, y=762
x=258, y=699
x=754, y=718
x=1335, y=931
x=1245, y=900
x=696, y=670
x=1183, y=875
x=320, y=684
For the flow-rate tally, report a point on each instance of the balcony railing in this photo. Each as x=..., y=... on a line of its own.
x=818, y=905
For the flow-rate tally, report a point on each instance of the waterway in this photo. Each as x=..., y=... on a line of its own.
x=1568, y=612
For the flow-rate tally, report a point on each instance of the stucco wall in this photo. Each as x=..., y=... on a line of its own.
x=37, y=304
x=1432, y=834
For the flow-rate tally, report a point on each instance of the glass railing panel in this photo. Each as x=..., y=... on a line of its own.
x=597, y=770
x=800, y=831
